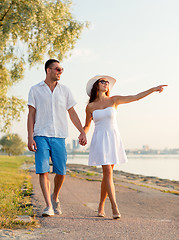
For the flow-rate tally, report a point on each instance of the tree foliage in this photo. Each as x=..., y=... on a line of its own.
x=30, y=30
x=12, y=144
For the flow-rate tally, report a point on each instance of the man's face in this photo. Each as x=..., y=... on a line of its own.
x=55, y=71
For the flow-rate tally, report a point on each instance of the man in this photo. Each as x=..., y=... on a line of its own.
x=48, y=103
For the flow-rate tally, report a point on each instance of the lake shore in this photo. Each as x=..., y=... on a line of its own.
x=91, y=173
x=95, y=174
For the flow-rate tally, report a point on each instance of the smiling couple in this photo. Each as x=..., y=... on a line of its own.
x=48, y=103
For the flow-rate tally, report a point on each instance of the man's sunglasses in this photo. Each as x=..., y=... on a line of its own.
x=58, y=69
x=104, y=82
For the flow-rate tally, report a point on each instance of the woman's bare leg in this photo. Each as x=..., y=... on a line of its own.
x=103, y=195
x=107, y=188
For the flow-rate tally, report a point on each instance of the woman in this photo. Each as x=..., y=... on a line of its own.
x=106, y=147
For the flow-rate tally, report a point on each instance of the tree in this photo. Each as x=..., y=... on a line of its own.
x=30, y=30
x=12, y=144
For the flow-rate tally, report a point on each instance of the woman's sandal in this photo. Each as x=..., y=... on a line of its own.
x=116, y=216
x=101, y=214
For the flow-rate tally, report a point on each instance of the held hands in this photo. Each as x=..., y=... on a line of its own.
x=159, y=88
x=82, y=139
x=32, y=145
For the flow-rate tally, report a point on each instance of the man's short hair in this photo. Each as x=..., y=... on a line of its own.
x=49, y=63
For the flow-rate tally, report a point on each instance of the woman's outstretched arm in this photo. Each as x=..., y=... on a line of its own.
x=127, y=99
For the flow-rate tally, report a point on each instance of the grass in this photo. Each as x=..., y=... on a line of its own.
x=75, y=173
x=91, y=174
x=15, y=191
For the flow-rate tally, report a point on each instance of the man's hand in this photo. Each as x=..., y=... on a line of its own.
x=32, y=145
x=82, y=139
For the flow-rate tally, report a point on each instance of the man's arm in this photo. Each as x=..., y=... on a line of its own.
x=76, y=121
x=30, y=128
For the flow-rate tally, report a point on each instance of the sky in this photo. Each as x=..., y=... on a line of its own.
x=136, y=42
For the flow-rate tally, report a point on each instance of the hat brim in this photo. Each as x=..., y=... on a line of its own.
x=90, y=83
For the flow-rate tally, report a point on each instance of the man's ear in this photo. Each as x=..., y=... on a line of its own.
x=48, y=70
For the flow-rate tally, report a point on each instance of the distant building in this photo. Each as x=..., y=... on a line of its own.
x=145, y=148
x=75, y=144
x=68, y=146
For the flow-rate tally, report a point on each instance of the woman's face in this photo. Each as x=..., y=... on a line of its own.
x=103, y=85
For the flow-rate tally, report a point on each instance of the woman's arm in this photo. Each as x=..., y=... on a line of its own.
x=76, y=121
x=127, y=99
x=88, y=119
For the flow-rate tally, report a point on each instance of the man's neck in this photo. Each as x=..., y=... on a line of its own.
x=51, y=84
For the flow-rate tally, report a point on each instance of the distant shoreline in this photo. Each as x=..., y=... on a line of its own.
x=127, y=153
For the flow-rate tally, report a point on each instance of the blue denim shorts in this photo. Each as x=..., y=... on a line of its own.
x=50, y=147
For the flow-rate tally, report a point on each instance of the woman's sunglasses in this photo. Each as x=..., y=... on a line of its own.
x=104, y=82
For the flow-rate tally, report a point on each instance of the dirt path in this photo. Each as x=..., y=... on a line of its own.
x=147, y=214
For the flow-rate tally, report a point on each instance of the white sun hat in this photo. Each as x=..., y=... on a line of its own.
x=90, y=83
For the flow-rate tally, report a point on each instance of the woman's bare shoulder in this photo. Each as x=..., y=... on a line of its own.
x=90, y=107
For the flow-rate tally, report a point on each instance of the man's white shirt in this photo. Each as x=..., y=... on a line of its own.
x=51, y=109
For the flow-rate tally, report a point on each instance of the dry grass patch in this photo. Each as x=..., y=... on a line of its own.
x=15, y=191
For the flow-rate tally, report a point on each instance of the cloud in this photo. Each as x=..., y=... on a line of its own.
x=81, y=52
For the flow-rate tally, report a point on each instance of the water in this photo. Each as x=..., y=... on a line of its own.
x=162, y=166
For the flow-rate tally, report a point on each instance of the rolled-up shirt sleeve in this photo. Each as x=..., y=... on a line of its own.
x=31, y=98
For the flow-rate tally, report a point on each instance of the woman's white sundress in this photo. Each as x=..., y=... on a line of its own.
x=106, y=145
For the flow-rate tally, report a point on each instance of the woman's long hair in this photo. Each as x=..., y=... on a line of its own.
x=95, y=91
